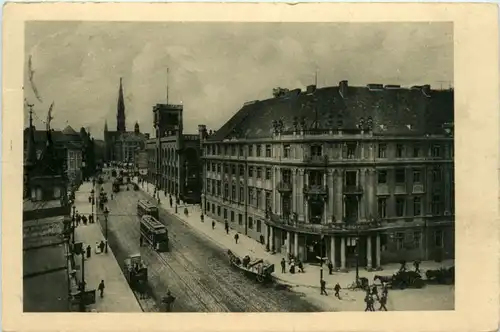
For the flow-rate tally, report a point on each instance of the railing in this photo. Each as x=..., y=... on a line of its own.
x=316, y=159
x=353, y=189
x=284, y=187
x=316, y=189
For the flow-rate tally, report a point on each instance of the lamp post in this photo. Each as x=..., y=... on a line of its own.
x=82, y=286
x=92, y=193
x=106, y=214
x=73, y=222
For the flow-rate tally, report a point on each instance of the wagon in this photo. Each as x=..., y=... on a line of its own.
x=407, y=279
x=256, y=267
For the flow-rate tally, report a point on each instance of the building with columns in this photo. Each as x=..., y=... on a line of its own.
x=355, y=174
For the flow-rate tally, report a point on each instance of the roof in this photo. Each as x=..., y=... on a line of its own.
x=69, y=131
x=58, y=136
x=393, y=110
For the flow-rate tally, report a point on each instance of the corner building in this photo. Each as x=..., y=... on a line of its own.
x=336, y=171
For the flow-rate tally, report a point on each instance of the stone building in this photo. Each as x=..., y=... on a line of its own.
x=121, y=145
x=361, y=175
x=174, y=157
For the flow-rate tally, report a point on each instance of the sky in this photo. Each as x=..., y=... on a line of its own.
x=213, y=68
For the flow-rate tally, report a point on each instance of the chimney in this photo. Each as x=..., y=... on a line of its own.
x=343, y=86
x=311, y=89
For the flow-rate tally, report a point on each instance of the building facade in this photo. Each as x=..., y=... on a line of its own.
x=361, y=175
x=121, y=145
x=174, y=163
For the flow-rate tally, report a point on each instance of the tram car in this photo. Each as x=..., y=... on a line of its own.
x=145, y=207
x=136, y=272
x=153, y=233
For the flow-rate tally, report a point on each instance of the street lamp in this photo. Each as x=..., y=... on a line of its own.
x=106, y=214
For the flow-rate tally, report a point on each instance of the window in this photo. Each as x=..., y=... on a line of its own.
x=218, y=210
x=209, y=186
x=286, y=150
x=258, y=150
x=233, y=192
x=250, y=222
x=225, y=213
x=242, y=152
x=259, y=226
x=259, y=172
x=258, y=198
x=436, y=205
x=399, y=237
x=250, y=196
x=268, y=173
x=416, y=176
x=382, y=176
x=226, y=150
x=400, y=207
x=417, y=206
x=226, y=169
x=268, y=199
x=250, y=171
x=286, y=176
x=242, y=170
x=240, y=219
x=213, y=208
x=436, y=175
x=233, y=169
x=351, y=150
x=417, y=239
x=242, y=193
x=208, y=167
x=438, y=238
x=436, y=151
x=316, y=150
x=351, y=178
x=382, y=150
x=400, y=175
x=219, y=168
x=399, y=150
x=250, y=150
x=232, y=216
x=233, y=150
x=382, y=207
x=268, y=151
x=214, y=167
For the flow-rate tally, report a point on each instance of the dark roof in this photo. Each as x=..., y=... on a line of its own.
x=58, y=136
x=394, y=111
x=69, y=131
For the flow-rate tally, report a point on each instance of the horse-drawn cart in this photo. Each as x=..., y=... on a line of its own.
x=255, y=267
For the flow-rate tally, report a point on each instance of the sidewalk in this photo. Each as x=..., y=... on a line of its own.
x=248, y=246
x=118, y=297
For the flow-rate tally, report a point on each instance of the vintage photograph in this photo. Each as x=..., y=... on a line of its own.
x=238, y=167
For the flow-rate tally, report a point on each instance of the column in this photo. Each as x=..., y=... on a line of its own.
x=342, y=253
x=274, y=188
x=369, y=251
x=331, y=198
x=332, y=251
x=278, y=195
x=288, y=243
x=300, y=201
x=339, y=196
x=325, y=203
x=271, y=238
x=377, y=251
x=306, y=210
x=296, y=244
x=362, y=201
x=294, y=190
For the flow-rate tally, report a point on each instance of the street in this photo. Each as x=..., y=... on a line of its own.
x=195, y=270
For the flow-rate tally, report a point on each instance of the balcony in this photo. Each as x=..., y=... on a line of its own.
x=291, y=224
x=315, y=160
x=316, y=192
x=284, y=187
x=353, y=190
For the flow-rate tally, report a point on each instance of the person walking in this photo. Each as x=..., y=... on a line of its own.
x=323, y=287
x=330, y=267
x=375, y=292
x=89, y=251
x=202, y=217
x=416, y=264
x=383, y=302
x=402, y=268
x=236, y=238
x=337, y=290
x=283, y=265
x=213, y=224
x=226, y=226
x=101, y=288
x=369, y=302
x=102, y=246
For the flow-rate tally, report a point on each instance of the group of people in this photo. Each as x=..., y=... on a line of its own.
x=372, y=296
x=83, y=219
x=294, y=264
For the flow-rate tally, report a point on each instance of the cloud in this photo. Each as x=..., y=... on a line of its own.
x=215, y=67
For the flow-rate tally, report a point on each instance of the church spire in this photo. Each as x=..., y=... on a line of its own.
x=120, y=110
x=31, y=155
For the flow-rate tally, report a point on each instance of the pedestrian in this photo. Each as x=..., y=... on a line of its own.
x=416, y=264
x=369, y=303
x=383, y=302
x=168, y=300
x=236, y=238
x=375, y=292
x=385, y=291
x=84, y=220
x=300, y=266
x=402, y=268
x=101, y=288
x=202, y=218
x=262, y=239
x=89, y=251
x=102, y=246
x=337, y=290
x=330, y=267
x=283, y=265
x=226, y=226
x=323, y=287
x=213, y=224
x=90, y=199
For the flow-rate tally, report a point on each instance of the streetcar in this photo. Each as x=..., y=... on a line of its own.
x=154, y=233
x=145, y=207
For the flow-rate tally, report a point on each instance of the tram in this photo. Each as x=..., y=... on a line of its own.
x=154, y=233
x=145, y=207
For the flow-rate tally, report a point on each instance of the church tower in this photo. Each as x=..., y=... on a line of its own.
x=120, y=111
x=136, y=128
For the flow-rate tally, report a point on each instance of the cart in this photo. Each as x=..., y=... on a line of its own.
x=256, y=267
